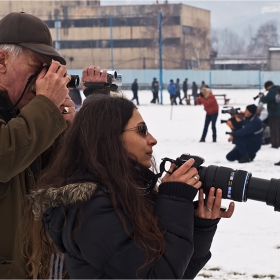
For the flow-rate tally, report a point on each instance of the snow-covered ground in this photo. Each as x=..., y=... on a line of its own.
x=246, y=246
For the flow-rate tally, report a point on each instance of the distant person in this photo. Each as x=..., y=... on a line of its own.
x=172, y=92
x=273, y=109
x=75, y=95
x=194, y=92
x=202, y=85
x=185, y=89
x=263, y=115
x=155, y=88
x=211, y=107
x=178, y=91
x=248, y=139
x=134, y=88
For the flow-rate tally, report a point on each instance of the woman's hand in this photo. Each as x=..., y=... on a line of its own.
x=185, y=174
x=212, y=208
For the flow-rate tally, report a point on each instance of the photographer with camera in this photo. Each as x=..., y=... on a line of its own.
x=35, y=109
x=211, y=107
x=247, y=139
x=273, y=109
x=106, y=185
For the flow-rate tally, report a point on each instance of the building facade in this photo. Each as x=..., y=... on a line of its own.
x=274, y=59
x=123, y=37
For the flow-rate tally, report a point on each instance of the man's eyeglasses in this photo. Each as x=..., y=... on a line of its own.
x=142, y=128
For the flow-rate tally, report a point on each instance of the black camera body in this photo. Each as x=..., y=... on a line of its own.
x=74, y=82
x=238, y=185
x=232, y=111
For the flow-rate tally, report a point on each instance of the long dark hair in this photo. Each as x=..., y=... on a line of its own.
x=93, y=145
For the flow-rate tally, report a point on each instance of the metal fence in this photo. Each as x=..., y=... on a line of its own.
x=213, y=78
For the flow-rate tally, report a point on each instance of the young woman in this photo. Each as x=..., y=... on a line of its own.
x=99, y=203
x=211, y=107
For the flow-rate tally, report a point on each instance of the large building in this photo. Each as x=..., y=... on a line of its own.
x=123, y=37
x=274, y=58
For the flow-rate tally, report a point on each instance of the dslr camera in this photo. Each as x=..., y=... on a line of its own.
x=236, y=118
x=232, y=111
x=237, y=185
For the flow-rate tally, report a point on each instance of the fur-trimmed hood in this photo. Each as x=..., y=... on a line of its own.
x=64, y=196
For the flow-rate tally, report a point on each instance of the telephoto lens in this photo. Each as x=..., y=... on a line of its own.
x=238, y=185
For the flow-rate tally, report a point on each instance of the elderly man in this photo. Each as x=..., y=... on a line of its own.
x=35, y=109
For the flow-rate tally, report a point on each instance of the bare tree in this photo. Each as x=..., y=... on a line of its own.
x=227, y=42
x=266, y=36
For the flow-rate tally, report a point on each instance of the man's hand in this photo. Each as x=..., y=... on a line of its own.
x=261, y=95
x=230, y=139
x=52, y=83
x=92, y=74
x=67, y=109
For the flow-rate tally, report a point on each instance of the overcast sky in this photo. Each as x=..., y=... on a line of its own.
x=233, y=14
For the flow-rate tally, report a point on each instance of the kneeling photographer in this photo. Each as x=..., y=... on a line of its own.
x=247, y=139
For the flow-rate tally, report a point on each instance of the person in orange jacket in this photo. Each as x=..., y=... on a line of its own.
x=211, y=107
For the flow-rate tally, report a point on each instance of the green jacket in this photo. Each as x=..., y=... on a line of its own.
x=23, y=139
x=273, y=108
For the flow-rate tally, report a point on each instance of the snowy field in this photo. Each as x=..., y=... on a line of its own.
x=247, y=246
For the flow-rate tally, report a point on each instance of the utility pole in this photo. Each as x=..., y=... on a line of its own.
x=111, y=42
x=160, y=55
x=57, y=27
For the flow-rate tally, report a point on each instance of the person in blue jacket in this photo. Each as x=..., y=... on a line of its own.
x=248, y=139
x=172, y=91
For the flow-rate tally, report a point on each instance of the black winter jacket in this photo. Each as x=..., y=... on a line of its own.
x=86, y=228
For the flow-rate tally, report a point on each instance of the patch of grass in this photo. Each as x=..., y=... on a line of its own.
x=271, y=276
x=214, y=269
x=237, y=273
x=205, y=275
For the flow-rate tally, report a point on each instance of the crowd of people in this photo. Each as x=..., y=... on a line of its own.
x=80, y=196
x=252, y=130
x=174, y=89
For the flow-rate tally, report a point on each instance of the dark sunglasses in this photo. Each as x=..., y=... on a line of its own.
x=142, y=128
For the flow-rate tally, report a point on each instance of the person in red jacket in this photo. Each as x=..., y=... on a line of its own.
x=211, y=107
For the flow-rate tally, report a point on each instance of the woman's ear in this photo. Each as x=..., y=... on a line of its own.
x=3, y=62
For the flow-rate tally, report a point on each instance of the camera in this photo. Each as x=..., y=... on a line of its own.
x=113, y=78
x=238, y=185
x=257, y=96
x=232, y=111
x=74, y=82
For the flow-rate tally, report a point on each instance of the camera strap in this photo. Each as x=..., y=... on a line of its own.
x=29, y=80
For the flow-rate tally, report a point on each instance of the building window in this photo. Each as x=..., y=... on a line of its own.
x=187, y=30
x=125, y=43
x=105, y=22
